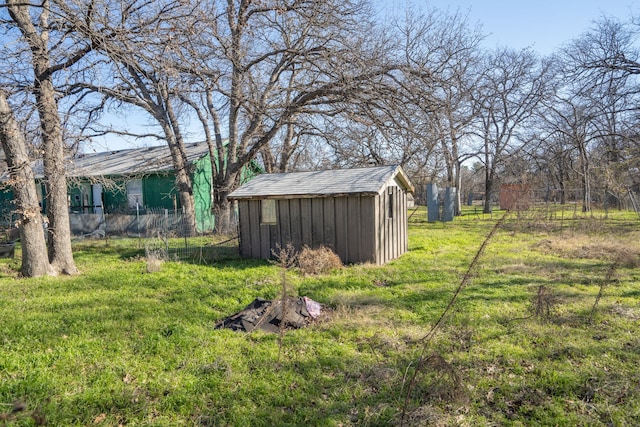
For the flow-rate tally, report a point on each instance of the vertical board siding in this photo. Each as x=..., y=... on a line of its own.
x=341, y=227
x=378, y=230
x=353, y=235
x=317, y=222
x=275, y=234
x=284, y=220
x=245, y=229
x=329, y=212
x=367, y=230
x=295, y=217
x=381, y=235
x=305, y=220
x=265, y=237
x=358, y=228
x=394, y=222
x=254, y=217
x=387, y=227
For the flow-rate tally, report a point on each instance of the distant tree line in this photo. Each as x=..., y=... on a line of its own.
x=309, y=84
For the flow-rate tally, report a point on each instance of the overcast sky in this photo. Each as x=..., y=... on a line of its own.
x=543, y=25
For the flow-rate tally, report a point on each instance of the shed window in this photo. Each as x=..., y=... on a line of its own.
x=390, y=198
x=268, y=216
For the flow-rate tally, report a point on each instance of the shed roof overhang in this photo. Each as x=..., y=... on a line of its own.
x=328, y=183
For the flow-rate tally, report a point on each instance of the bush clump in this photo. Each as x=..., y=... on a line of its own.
x=318, y=261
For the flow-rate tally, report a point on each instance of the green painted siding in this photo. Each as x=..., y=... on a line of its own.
x=115, y=198
x=159, y=191
x=202, y=182
x=6, y=205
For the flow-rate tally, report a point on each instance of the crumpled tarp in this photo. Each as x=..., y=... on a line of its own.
x=268, y=314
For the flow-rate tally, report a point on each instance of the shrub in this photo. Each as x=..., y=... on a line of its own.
x=318, y=261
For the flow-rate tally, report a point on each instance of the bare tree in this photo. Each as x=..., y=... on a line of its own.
x=266, y=65
x=50, y=51
x=137, y=69
x=603, y=69
x=35, y=261
x=246, y=70
x=452, y=61
x=421, y=118
x=512, y=85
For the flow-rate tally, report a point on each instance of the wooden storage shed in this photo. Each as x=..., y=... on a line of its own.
x=360, y=213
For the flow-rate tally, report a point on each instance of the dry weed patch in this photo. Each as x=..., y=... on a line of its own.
x=318, y=261
x=369, y=316
x=154, y=259
x=588, y=247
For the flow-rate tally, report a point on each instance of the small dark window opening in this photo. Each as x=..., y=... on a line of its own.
x=390, y=197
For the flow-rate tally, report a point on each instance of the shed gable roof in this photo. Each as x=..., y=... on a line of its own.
x=323, y=183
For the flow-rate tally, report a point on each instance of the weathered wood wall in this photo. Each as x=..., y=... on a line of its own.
x=358, y=228
x=391, y=229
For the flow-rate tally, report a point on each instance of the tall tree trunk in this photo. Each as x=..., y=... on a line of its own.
x=488, y=184
x=60, y=253
x=183, y=180
x=35, y=261
x=585, y=178
x=181, y=163
x=458, y=174
x=185, y=192
x=488, y=190
x=225, y=212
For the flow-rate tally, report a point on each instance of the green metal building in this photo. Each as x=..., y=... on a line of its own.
x=136, y=181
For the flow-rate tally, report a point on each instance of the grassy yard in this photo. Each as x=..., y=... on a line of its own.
x=546, y=331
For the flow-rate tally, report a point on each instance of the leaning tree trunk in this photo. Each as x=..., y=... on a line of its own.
x=35, y=261
x=184, y=183
x=185, y=190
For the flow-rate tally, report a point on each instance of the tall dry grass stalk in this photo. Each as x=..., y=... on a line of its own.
x=154, y=259
x=286, y=258
x=466, y=279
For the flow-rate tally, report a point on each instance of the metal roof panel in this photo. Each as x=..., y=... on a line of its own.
x=320, y=183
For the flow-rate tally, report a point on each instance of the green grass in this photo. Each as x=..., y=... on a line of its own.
x=117, y=345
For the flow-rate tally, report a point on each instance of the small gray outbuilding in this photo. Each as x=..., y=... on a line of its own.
x=359, y=213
